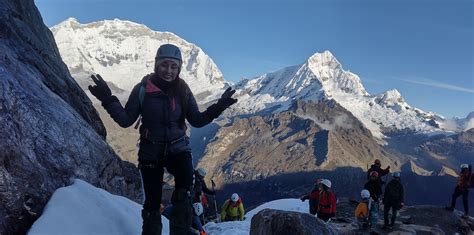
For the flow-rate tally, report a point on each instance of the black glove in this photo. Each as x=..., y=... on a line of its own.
x=226, y=99
x=222, y=104
x=100, y=90
x=303, y=198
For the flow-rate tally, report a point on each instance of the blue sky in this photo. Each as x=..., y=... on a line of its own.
x=422, y=48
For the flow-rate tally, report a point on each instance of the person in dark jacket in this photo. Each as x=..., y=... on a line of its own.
x=199, y=188
x=374, y=185
x=196, y=228
x=200, y=185
x=462, y=188
x=393, y=199
x=377, y=166
x=164, y=101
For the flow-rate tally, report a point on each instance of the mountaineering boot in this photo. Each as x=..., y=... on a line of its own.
x=151, y=222
x=181, y=214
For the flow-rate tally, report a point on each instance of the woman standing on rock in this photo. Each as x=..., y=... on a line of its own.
x=164, y=102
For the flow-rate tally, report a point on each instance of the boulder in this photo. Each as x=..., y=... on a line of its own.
x=269, y=221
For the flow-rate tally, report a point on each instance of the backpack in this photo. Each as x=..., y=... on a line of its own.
x=362, y=210
x=141, y=97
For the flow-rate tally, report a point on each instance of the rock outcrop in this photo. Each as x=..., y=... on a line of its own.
x=270, y=221
x=50, y=132
x=410, y=220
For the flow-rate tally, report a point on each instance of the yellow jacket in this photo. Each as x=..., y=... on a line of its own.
x=232, y=210
x=362, y=210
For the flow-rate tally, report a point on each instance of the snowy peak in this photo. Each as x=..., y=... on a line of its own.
x=106, y=26
x=332, y=76
x=319, y=77
x=390, y=98
x=324, y=59
x=69, y=22
x=470, y=116
x=457, y=124
x=123, y=52
x=322, y=77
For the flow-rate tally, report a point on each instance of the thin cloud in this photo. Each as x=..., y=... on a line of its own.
x=436, y=84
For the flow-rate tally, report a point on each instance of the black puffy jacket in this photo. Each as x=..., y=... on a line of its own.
x=200, y=187
x=375, y=189
x=161, y=117
x=393, y=194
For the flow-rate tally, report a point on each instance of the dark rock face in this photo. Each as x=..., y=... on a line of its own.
x=31, y=43
x=50, y=132
x=450, y=151
x=269, y=221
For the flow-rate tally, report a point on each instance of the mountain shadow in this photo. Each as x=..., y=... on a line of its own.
x=346, y=182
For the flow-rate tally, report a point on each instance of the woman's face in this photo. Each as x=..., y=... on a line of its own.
x=168, y=69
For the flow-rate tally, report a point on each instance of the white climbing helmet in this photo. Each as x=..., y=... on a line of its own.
x=234, y=197
x=464, y=166
x=365, y=193
x=198, y=209
x=396, y=174
x=326, y=182
x=201, y=171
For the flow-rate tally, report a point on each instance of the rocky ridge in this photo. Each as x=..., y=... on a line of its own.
x=51, y=133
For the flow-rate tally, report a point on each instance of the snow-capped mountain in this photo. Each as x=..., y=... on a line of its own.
x=322, y=77
x=457, y=124
x=123, y=52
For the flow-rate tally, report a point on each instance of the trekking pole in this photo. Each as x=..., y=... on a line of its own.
x=215, y=201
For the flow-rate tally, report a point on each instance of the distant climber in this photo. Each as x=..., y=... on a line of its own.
x=200, y=189
x=196, y=228
x=200, y=186
x=393, y=199
x=462, y=189
x=374, y=186
x=326, y=201
x=377, y=166
x=233, y=209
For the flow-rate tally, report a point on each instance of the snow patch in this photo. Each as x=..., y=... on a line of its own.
x=84, y=209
